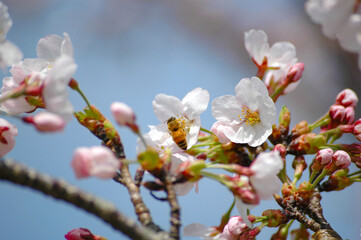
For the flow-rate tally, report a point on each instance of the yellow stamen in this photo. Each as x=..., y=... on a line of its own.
x=249, y=117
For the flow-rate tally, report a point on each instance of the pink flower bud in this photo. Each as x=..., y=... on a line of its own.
x=236, y=225
x=337, y=113
x=96, y=161
x=322, y=159
x=46, y=122
x=124, y=115
x=340, y=160
x=218, y=129
x=295, y=72
x=82, y=234
x=357, y=129
x=7, y=133
x=347, y=98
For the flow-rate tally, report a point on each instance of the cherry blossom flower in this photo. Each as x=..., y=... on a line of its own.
x=281, y=56
x=96, y=161
x=9, y=53
x=185, y=112
x=7, y=133
x=264, y=180
x=249, y=115
x=53, y=68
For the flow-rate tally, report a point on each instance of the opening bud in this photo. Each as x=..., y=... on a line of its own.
x=46, y=122
x=347, y=98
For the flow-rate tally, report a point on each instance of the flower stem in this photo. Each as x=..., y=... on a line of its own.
x=319, y=178
x=324, y=120
x=355, y=173
x=76, y=88
x=207, y=131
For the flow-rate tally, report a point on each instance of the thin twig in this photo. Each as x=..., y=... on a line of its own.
x=175, y=209
x=19, y=174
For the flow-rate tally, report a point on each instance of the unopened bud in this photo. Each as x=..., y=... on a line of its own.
x=46, y=122
x=300, y=129
x=275, y=217
x=82, y=234
x=340, y=160
x=299, y=164
x=322, y=159
x=124, y=115
x=336, y=181
x=150, y=159
x=295, y=72
x=285, y=117
x=308, y=143
x=357, y=129
x=96, y=161
x=347, y=98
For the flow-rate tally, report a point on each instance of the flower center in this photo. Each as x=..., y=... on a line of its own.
x=249, y=117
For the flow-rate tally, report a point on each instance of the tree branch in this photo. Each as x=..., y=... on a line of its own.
x=20, y=174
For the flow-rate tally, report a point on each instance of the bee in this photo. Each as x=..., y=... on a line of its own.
x=178, y=129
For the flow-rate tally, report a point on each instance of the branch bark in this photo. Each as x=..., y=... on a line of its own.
x=59, y=189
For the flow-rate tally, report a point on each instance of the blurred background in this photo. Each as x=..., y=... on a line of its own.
x=132, y=50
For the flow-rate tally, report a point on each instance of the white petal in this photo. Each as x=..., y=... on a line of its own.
x=256, y=44
x=240, y=133
x=282, y=54
x=30, y=65
x=55, y=88
x=197, y=230
x=347, y=37
x=266, y=167
x=250, y=91
x=242, y=209
x=261, y=135
x=9, y=54
x=49, y=47
x=267, y=112
x=165, y=107
x=66, y=46
x=195, y=102
x=192, y=135
x=178, y=158
x=226, y=109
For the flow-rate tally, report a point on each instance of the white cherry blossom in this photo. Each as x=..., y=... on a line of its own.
x=331, y=14
x=249, y=115
x=186, y=113
x=282, y=55
x=264, y=180
x=52, y=70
